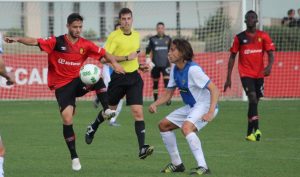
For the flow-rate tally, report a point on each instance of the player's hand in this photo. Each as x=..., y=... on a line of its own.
x=208, y=116
x=150, y=63
x=133, y=55
x=267, y=71
x=144, y=67
x=11, y=39
x=152, y=108
x=227, y=84
x=118, y=68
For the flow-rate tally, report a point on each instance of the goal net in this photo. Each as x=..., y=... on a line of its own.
x=209, y=26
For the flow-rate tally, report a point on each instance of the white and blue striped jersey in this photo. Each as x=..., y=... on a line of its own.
x=192, y=83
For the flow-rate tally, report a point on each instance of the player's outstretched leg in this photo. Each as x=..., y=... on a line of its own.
x=92, y=128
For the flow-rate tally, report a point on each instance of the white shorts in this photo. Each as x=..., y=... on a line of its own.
x=191, y=114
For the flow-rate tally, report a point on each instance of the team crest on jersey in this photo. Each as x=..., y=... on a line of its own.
x=259, y=39
x=183, y=82
x=81, y=51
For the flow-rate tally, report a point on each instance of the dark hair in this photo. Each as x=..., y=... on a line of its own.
x=116, y=25
x=74, y=17
x=250, y=12
x=185, y=48
x=290, y=11
x=125, y=11
x=160, y=23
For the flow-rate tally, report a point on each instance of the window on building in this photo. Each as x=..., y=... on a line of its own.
x=102, y=8
x=76, y=7
x=22, y=16
x=102, y=27
x=50, y=18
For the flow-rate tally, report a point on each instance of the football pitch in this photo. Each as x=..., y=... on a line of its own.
x=32, y=134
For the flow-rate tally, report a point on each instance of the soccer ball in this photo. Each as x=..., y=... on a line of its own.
x=90, y=74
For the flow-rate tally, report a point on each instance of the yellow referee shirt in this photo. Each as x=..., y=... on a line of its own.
x=120, y=44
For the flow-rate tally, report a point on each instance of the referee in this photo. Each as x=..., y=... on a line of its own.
x=122, y=42
x=159, y=45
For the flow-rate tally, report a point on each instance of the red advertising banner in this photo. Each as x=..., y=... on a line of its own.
x=30, y=72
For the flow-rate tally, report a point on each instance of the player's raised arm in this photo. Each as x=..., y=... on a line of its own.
x=24, y=40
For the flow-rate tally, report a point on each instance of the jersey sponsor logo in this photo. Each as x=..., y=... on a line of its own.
x=248, y=51
x=70, y=63
x=161, y=48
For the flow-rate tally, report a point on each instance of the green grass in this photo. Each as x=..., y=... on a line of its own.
x=32, y=133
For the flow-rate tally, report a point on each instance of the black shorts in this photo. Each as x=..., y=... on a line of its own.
x=66, y=95
x=129, y=84
x=253, y=85
x=155, y=72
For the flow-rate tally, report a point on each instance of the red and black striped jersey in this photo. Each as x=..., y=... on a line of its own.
x=65, y=59
x=251, y=48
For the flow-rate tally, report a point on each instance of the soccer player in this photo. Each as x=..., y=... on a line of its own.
x=159, y=45
x=251, y=45
x=122, y=42
x=200, y=96
x=66, y=55
x=10, y=79
x=106, y=72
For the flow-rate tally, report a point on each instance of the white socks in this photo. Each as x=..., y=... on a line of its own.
x=169, y=140
x=118, y=110
x=195, y=146
x=1, y=167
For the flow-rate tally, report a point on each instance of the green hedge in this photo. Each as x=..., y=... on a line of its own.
x=285, y=38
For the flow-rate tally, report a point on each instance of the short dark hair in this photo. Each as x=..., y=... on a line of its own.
x=185, y=48
x=250, y=12
x=74, y=17
x=160, y=23
x=125, y=11
x=290, y=11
